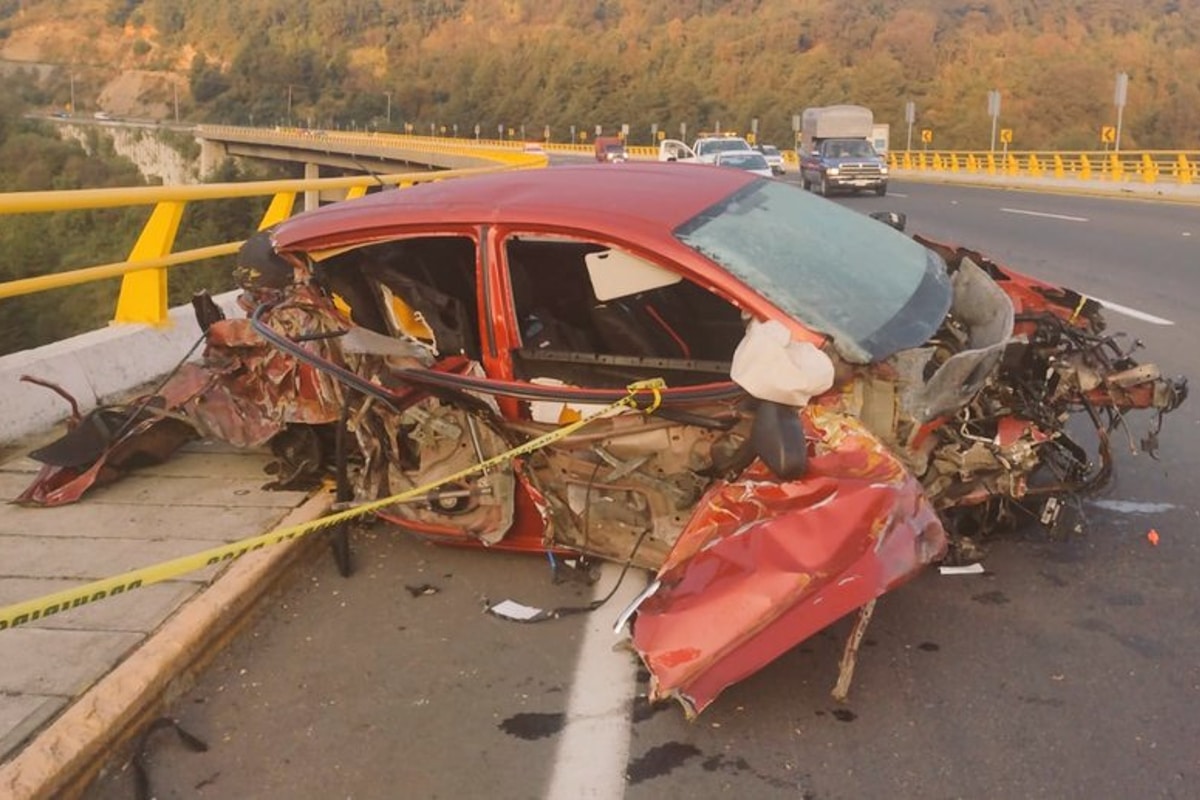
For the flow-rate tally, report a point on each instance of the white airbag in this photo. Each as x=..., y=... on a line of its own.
x=770, y=366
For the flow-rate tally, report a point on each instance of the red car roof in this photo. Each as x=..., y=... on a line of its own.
x=630, y=200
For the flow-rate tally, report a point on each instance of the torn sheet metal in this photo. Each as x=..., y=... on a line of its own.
x=763, y=565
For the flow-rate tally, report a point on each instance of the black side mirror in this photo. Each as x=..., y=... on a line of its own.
x=777, y=437
x=893, y=218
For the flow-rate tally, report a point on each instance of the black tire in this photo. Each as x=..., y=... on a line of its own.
x=805, y=183
x=881, y=189
x=823, y=187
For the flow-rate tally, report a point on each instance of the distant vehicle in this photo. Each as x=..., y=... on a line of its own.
x=773, y=156
x=102, y=115
x=836, y=151
x=534, y=147
x=749, y=160
x=62, y=115
x=880, y=137
x=610, y=150
x=703, y=151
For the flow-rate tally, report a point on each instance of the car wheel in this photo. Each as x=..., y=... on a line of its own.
x=823, y=187
x=881, y=189
x=805, y=184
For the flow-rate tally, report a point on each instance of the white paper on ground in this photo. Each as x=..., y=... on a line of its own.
x=969, y=569
x=510, y=609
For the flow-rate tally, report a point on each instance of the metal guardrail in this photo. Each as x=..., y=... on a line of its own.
x=1148, y=166
x=143, y=295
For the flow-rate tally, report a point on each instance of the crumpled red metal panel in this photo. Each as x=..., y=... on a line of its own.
x=764, y=565
x=256, y=389
x=246, y=391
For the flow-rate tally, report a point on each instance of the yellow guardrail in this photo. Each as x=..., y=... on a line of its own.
x=1145, y=166
x=143, y=295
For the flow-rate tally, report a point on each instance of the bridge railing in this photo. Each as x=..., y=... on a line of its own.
x=143, y=294
x=1146, y=166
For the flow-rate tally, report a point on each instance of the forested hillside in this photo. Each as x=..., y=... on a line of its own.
x=558, y=63
x=33, y=158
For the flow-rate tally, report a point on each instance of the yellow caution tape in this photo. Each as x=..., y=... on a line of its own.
x=51, y=604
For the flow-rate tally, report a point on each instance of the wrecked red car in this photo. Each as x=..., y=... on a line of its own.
x=842, y=403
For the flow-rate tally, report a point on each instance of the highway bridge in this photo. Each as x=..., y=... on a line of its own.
x=1068, y=669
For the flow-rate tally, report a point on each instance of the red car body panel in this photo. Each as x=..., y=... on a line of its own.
x=763, y=565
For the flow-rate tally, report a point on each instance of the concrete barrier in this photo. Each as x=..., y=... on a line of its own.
x=97, y=368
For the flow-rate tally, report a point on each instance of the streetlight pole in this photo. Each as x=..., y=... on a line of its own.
x=994, y=113
x=389, y=109
x=910, y=116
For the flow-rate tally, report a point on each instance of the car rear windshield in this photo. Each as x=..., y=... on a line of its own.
x=872, y=289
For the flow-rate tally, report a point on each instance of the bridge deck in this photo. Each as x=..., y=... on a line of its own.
x=207, y=495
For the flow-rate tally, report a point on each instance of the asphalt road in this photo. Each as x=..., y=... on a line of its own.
x=1071, y=669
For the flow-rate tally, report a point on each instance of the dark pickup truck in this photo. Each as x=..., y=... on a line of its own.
x=843, y=165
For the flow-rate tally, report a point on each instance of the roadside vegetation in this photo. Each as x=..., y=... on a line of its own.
x=525, y=65
x=523, y=69
x=34, y=158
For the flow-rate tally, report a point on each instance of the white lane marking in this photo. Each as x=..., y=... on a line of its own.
x=1044, y=214
x=593, y=750
x=1132, y=507
x=1132, y=312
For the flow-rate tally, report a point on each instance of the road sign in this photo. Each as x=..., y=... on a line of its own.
x=750, y=137
x=1122, y=90
x=927, y=135
x=1006, y=135
x=1108, y=134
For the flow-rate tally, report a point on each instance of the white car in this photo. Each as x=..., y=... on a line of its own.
x=773, y=156
x=749, y=160
x=703, y=151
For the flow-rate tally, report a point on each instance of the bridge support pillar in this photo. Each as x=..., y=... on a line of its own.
x=211, y=155
x=312, y=197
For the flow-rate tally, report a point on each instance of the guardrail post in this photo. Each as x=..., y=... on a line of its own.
x=972, y=163
x=908, y=163
x=1149, y=169
x=143, y=295
x=1059, y=170
x=1183, y=170
x=279, y=210
x=1118, y=171
x=953, y=162
x=991, y=164
x=937, y=163
x=1035, y=166
x=1085, y=167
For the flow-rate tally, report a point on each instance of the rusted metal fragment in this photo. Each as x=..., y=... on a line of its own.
x=150, y=440
x=763, y=565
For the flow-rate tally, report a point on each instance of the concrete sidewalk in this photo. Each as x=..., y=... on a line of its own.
x=207, y=495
